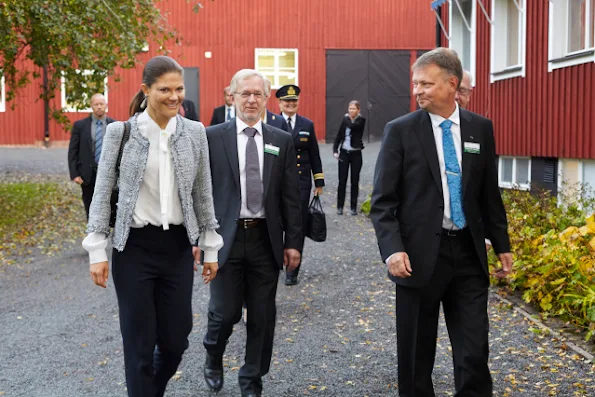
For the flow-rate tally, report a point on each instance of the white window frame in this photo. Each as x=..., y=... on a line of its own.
x=557, y=61
x=473, y=39
x=580, y=177
x=66, y=106
x=276, y=52
x=514, y=184
x=508, y=72
x=2, y=95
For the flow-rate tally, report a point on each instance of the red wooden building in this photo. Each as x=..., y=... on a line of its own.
x=335, y=50
x=533, y=63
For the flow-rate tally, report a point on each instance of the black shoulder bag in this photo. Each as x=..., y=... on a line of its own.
x=316, y=229
x=116, y=190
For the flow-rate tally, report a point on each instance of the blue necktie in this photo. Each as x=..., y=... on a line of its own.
x=453, y=176
x=228, y=114
x=98, y=141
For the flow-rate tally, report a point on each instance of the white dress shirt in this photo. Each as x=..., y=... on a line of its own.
x=455, y=130
x=232, y=112
x=292, y=118
x=158, y=200
x=242, y=143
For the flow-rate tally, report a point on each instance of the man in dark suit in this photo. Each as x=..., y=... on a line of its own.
x=84, y=150
x=309, y=164
x=435, y=198
x=225, y=112
x=256, y=195
x=188, y=110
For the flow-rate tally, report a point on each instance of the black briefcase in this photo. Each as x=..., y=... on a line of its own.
x=316, y=229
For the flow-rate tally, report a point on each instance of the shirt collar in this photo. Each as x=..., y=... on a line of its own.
x=145, y=118
x=95, y=119
x=241, y=126
x=454, y=117
x=289, y=117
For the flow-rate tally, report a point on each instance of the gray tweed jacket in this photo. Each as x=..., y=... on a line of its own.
x=190, y=154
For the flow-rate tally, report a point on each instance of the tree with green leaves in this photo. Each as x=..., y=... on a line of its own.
x=63, y=38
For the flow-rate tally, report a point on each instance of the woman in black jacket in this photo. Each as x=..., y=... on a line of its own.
x=348, y=149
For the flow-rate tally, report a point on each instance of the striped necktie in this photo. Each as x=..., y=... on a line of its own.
x=98, y=140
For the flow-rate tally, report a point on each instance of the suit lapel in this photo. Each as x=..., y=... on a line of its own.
x=230, y=144
x=466, y=137
x=425, y=133
x=268, y=138
x=298, y=126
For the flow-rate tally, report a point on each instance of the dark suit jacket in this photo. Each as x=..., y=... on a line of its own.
x=218, y=115
x=190, y=110
x=407, y=202
x=276, y=120
x=280, y=188
x=81, y=150
x=306, y=146
x=357, y=132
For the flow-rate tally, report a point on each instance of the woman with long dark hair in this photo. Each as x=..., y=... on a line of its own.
x=165, y=210
x=348, y=149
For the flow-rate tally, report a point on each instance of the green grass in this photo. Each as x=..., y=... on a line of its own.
x=38, y=216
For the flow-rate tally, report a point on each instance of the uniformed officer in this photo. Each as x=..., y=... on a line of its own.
x=308, y=156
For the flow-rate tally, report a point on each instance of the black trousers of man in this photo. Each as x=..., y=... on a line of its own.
x=461, y=285
x=354, y=160
x=250, y=275
x=153, y=277
x=88, y=188
x=305, y=192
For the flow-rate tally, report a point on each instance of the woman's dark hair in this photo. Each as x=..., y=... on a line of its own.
x=356, y=104
x=155, y=68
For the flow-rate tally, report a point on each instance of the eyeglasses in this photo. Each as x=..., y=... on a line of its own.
x=465, y=91
x=246, y=94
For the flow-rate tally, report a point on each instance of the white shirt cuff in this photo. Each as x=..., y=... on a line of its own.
x=388, y=259
x=210, y=242
x=488, y=241
x=96, y=243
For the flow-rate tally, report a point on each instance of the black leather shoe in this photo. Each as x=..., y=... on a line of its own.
x=291, y=280
x=339, y=211
x=353, y=212
x=213, y=372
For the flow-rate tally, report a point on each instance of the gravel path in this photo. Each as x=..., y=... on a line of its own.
x=335, y=334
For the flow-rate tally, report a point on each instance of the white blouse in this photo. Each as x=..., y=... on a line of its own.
x=158, y=201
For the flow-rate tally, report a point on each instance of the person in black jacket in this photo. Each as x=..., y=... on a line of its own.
x=225, y=112
x=188, y=110
x=308, y=161
x=348, y=148
x=84, y=150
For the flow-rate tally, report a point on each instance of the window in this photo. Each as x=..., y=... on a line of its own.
x=279, y=65
x=572, y=32
x=577, y=179
x=462, y=32
x=66, y=87
x=2, y=96
x=508, y=38
x=514, y=173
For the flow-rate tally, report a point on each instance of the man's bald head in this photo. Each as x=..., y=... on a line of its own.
x=463, y=95
x=98, y=105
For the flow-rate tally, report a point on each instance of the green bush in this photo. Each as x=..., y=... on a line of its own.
x=554, y=255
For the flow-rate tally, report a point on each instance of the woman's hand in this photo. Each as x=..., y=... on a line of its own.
x=209, y=271
x=336, y=155
x=99, y=273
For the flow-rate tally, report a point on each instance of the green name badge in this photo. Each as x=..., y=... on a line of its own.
x=471, y=147
x=271, y=149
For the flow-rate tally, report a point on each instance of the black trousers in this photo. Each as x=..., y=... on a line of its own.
x=88, y=190
x=305, y=191
x=250, y=275
x=153, y=277
x=348, y=159
x=461, y=285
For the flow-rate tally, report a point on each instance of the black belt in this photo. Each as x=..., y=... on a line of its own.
x=455, y=233
x=250, y=223
x=351, y=151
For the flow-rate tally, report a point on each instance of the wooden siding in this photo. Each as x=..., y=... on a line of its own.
x=232, y=30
